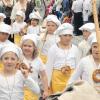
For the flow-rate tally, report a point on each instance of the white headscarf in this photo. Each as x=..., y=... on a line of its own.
x=53, y=18
x=21, y=13
x=5, y=28
x=35, y=15
x=90, y=27
x=11, y=48
x=3, y=15
x=32, y=37
x=64, y=29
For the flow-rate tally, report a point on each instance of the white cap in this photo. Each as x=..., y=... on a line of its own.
x=2, y=15
x=88, y=26
x=53, y=18
x=11, y=48
x=32, y=37
x=5, y=28
x=21, y=13
x=35, y=15
x=64, y=29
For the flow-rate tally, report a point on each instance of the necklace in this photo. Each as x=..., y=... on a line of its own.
x=10, y=90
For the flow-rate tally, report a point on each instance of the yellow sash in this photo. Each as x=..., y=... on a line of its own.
x=28, y=95
x=59, y=81
x=17, y=39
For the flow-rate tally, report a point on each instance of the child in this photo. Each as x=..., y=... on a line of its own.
x=48, y=38
x=18, y=26
x=12, y=80
x=34, y=27
x=29, y=48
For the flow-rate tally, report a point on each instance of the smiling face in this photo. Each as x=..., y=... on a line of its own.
x=28, y=48
x=51, y=27
x=9, y=60
x=65, y=39
x=95, y=51
x=34, y=22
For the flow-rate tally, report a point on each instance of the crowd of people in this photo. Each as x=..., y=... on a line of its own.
x=39, y=56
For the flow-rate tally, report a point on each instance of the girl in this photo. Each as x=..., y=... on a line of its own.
x=18, y=26
x=88, y=31
x=12, y=80
x=62, y=59
x=34, y=28
x=48, y=38
x=88, y=67
x=29, y=48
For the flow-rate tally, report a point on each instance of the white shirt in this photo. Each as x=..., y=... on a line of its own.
x=16, y=27
x=37, y=67
x=33, y=30
x=12, y=87
x=85, y=70
x=77, y=6
x=50, y=41
x=84, y=48
x=58, y=57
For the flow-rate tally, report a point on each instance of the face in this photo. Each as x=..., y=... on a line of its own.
x=95, y=51
x=9, y=61
x=65, y=39
x=86, y=34
x=4, y=37
x=51, y=27
x=28, y=48
x=19, y=18
x=34, y=22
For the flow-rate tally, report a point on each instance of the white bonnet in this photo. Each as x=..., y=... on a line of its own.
x=54, y=19
x=88, y=26
x=64, y=29
x=5, y=28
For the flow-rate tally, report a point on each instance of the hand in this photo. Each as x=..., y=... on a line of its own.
x=25, y=70
x=66, y=69
x=45, y=94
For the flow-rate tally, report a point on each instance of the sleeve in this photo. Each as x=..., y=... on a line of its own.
x=41, y=65
x=29, y=82
x=77, y=73
x=13, y=13
x=73, y=6
x=49, y=65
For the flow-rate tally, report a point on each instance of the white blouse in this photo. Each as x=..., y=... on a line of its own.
x=85, y=70
x=16, y=27
x=58, y=57
x=12, y=87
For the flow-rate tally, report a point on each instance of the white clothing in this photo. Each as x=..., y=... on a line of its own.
x=16, y=8
x=17, y=27
x=58, y=57
x=11, y=87
x=34, y=30
x=77, y=6
x=50, y=41
x=85, y=70
x=37, y=67
x=84, y=48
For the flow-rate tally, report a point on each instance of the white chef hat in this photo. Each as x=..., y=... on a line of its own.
x=5, y=28
x=21, y=13
x=2, y=15
x=94, y=40
x=54, y=19
x=88, y=26
x=35, y=15
x=11, y=48
x=64, y=29
x=32, y=37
